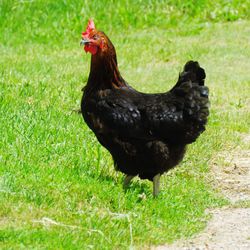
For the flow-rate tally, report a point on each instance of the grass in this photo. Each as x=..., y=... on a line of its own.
x=58, y=188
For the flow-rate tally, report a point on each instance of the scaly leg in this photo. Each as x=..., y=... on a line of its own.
x=127, y=180
x=156, y=185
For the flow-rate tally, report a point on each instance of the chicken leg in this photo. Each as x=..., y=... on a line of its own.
x=127, y=180
x=156, y=185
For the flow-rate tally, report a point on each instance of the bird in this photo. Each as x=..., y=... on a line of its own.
x=146, y=134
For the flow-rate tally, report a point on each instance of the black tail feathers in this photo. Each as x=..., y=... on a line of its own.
x=192, y=72
x=190, y=87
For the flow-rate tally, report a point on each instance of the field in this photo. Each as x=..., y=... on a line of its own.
x=58, y=187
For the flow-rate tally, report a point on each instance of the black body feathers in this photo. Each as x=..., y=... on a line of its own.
x=146, y=134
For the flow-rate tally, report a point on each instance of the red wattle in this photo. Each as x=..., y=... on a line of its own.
x=90, y=48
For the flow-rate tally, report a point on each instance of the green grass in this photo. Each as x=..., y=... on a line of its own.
x=51, y=165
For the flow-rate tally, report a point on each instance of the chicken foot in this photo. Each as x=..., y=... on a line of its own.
x=156, y=184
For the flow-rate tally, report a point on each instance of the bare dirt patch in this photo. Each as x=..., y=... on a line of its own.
x=233, y=178
x=229, y=228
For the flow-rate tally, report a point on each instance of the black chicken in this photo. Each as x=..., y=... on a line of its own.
x=146, y=134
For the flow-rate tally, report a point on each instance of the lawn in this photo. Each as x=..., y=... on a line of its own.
x=58, y=187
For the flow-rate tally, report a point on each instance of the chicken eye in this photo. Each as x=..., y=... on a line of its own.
x=95, y=37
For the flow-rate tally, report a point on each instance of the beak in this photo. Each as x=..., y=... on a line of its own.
x=84, y=41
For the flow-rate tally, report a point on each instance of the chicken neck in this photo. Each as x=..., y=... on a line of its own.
x=104, y=73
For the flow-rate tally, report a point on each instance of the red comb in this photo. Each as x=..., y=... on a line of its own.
x=90, y=27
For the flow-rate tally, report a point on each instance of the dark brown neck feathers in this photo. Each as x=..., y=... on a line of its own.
x=104, y=73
